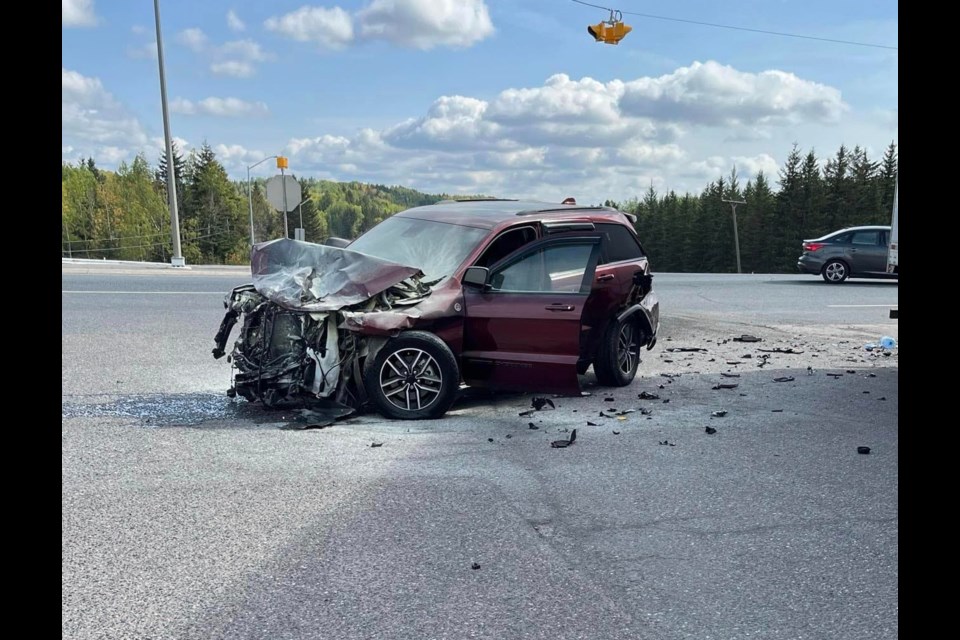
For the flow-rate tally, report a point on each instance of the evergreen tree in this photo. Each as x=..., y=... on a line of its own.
x=179, y=172
x=839, y=189
x=865, y=189
x=888, y=177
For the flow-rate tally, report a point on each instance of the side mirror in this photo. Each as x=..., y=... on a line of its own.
x=340, y=243
x=476, y=277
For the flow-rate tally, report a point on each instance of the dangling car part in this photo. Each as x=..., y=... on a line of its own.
x=504, y=294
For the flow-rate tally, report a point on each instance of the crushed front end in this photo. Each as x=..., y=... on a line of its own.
x=301, y=321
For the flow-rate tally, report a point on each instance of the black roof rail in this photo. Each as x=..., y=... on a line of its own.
x=572, y=209
x=452, y=200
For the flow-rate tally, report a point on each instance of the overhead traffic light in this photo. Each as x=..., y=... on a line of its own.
x=610, y=31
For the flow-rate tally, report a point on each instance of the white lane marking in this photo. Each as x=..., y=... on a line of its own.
x=852, y=306
x=151, y=293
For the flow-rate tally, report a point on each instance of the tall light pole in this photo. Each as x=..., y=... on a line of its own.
x=736, y=236
x=176, y=259
x=305, y=200
x=250, y=195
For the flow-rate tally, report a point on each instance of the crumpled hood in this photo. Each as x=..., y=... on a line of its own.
x=310, y=277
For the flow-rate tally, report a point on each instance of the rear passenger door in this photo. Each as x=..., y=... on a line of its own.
x=620, y=258
x=867, y=251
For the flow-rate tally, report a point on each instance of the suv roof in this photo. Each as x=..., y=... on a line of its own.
x=487, y=214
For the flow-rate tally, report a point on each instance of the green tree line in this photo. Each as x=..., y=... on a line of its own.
x=694, y=233
x=123, y=214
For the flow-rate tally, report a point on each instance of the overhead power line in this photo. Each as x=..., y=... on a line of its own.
x=782, y=34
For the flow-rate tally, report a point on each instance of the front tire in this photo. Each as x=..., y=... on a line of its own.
x=413, y=377
x=835, y=272
x=619, y=354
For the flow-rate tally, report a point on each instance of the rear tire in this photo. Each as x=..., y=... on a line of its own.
x=835, y=272
x=619, y=354
x=413, y=377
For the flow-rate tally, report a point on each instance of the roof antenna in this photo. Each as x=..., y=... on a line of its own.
x=569, y=201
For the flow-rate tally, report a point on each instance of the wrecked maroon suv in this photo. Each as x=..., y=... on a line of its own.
x=510, y=295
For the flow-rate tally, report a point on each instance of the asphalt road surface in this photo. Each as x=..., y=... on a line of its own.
x=188, y=515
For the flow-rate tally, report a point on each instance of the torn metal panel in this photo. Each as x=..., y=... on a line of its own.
x=312, y=277
x=388, y=320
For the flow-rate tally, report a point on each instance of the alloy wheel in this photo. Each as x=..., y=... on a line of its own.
x=411, y=379
x=627, y=348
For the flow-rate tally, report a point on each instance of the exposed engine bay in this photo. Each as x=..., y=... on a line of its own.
x=300, y=321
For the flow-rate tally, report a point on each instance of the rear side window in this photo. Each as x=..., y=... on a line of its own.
x=618, y=244
x=866, y=237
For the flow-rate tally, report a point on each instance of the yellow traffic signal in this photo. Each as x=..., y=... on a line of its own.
x=610, y=31
x=598, y=31
x=616, y=32
x=282, y=163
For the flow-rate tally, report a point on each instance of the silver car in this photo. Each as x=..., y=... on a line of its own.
x=857, y=252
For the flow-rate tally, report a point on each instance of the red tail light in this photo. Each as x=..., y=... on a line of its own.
x=813, y=246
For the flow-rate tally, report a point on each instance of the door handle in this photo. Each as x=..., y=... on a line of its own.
x=607, y=277
x=853, y=250
x=559, y=307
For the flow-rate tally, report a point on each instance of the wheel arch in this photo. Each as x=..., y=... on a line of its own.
x=642, y=316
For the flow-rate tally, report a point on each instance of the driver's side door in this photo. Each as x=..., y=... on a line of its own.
x=522, y=330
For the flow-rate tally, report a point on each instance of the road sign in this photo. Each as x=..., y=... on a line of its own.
x=275, y=189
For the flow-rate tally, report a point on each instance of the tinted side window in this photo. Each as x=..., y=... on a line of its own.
x=843, y=238
x=618, y=244
x=866, y=237
x=554, y=269
x=505, y=244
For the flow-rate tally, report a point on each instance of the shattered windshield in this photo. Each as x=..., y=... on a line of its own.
x=437, y=248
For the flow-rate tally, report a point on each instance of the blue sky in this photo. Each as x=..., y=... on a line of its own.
x=508, y=98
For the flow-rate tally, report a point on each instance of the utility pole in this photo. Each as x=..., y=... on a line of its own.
x=177, y=259
x=282, y=165
x=736, y=236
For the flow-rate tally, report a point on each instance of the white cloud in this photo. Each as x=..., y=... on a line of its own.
x=321, y=147
x=234, y=22
x=234, y=68
x=584, y=137
x=330, y=28
x=425, y=24
x=244, y=49
x=452, y=121
x=749, y=166
x=78, y=13
x=93, y=122
x=714, y=94
x=235, y=58
x=419, y=24
x=194, y=39
x=717, y=166
x=650, y=154
x=239, y=157
x=112, y=155
x=220, y=107
x=560, y=99
x=138, y=30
